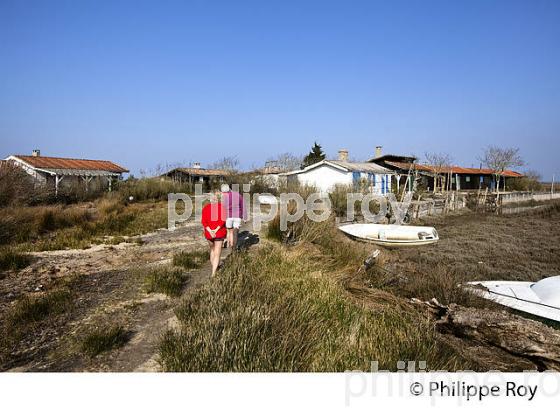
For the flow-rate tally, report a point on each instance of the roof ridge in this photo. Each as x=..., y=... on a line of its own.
x=66, y=158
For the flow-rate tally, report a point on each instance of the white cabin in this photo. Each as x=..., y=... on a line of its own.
x=326, y=174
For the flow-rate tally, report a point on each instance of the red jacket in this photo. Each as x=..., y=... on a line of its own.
x=213, y=217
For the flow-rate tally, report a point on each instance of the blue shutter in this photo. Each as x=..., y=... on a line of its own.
x=356, y=178
x=372, y=179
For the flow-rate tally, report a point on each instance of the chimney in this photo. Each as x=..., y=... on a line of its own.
x=378, y=151
x=196, y=165
x=343, y=155
x=36, y=153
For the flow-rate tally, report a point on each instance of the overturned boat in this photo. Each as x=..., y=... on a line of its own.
x=267, y=199
x=540, y=298
x=391, y=235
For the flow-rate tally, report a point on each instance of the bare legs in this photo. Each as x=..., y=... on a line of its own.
x=215, y=253
x=232, y=238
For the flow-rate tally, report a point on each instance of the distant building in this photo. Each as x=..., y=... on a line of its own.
x=269, y=174
x=326, y=174
x=461, y=178
x=54, y=171
x=197, y=175
x=383, y=159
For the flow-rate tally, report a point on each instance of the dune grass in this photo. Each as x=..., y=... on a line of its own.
x=190, y=260
x=12, y=260
x=53, y=227
x=167, y=280
x=298, y=308
x=31, y=309
x=103, y=339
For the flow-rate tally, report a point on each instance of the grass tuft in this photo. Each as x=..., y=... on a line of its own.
x=31, y=309
x=11, y=260
x=104, y=339
x=169, y=281
x=190, y=260
x=276, y=309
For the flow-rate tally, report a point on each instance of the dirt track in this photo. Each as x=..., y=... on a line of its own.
x=106, y=288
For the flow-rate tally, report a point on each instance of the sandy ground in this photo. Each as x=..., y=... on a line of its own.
x=106, y=287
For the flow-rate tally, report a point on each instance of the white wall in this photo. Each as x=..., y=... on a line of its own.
x=271, y=180
x=39, y=176
x=324, y=177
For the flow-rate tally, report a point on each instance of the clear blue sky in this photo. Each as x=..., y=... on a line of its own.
x=143, y=83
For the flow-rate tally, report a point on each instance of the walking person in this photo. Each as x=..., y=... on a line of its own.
x=234, y=208
x=215, y=231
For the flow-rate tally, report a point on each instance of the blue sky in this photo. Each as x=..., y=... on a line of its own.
x=145, y=83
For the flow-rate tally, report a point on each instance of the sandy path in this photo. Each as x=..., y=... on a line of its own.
x=106, y=289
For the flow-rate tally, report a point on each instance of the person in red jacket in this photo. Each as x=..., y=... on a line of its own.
x=213, y=221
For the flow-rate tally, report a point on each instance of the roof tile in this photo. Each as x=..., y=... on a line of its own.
x=71, y=163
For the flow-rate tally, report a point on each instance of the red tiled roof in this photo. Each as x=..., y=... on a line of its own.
x=201, y=172
x=454, y=169
x=268, y=170
x=71, y=163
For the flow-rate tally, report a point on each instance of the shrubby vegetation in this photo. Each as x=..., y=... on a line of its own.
x=299, y=308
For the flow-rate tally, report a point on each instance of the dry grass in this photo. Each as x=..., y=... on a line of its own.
x=11, y=260
x=191, y=260
x=151, y=188
x=32, y=309
x=42, y=228
x=167, y=280
x=103, y=339
x=477, y=247
x=28, y=312
x=297, y=309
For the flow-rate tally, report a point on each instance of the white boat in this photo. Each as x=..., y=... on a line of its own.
x=268, y=199
x=391, y=235
x=540, y=298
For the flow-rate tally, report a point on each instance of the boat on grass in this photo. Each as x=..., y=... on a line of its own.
x=391, y=235
x=540, y=298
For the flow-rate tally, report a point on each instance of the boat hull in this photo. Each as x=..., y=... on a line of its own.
x=525, y=297
x=391, y=236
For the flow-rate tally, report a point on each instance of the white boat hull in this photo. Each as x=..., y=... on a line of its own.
x=391, y=236
x=538, y=299
x=268, y=199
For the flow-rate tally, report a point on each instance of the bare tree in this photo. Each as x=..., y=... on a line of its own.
x=500, y=159
x=16, y=186
x=287, y=161
x=441, y=165
x=230, y=164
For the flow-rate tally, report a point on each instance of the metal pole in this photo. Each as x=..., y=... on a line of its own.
x=552, y=186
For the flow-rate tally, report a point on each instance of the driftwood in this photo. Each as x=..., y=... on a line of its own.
x=369, y=262
x=523, y=338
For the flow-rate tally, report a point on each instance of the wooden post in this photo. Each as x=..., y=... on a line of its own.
x=87, y=180
x=57, y=179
